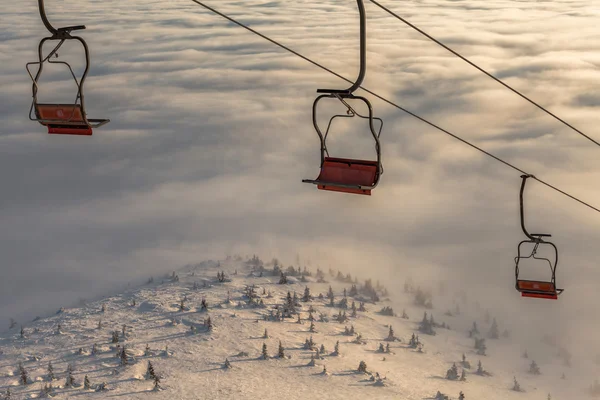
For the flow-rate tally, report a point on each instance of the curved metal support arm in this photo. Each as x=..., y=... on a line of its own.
x=60, y=32
x=532, y=236
x=363, y=55
x=47, y=23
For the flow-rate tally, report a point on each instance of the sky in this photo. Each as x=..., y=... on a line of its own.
x=211, y=135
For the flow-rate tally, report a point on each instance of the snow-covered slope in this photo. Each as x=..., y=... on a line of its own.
x=189, y=358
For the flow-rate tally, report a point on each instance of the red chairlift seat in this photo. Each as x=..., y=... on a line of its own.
x=62, y=119
x=347, y=175
x=538, y=289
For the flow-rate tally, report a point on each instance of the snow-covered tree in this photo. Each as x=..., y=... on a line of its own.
x=50, y=372
x=494, y=331
x=265, y=355
x=390, y=337
x=280, y=351
x=336, y=350
x=516, y=386
x=86, y=383
x=534, y=368
x=157, y=386
x=312, y=327
x=150, y=371
x=461, y=396
x=307, y=297
x=115, y=337
x=463, y=375
x=362, y=367
x=322, y=349
x=70, y=379
x=23, y=375
x=123, y=357
x=208, y=324
x=404, y=314
x=452, y=373
x=480, y=346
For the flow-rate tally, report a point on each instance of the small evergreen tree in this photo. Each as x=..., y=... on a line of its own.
x=150, y=374
x=147, y=350
x=70, y=380
x=362, y=367
x=23, y=376
x=280, y=351
x=387, y=348
x=115, y=337
x=336, y=350
x=123, y=357
x=266, y=334
x=227, y=364
x=264, y=356
x=307, y=297
x=86, y=383
x=157, y=386
x=463, y=375
x=312, y=327
x=50, y=375
x=533, y=368
x=494, y=331
x=516, y=387
x=452, y=373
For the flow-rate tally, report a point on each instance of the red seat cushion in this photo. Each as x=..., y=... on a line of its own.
x=538, y=289
x=60, y=114
x=82, y=130
x=348, y=172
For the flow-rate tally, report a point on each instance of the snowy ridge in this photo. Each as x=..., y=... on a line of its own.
x=164, y=322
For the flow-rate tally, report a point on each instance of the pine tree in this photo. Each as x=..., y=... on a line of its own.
x=227, y=364
x=381, y=348
x=461, y=396
x=115, y=337
x=50, y=376
x=307, y=295
x=280, y=351
x=22, y=333
x=70, y=380
x=533, y=368
x=312, y=327
x=86, y=383
x=124, y=358
x=157, y=383
x=147, y=350
x=336, y=350
x=330, y=293
x=391, y=336
x=150, y=374
x=463, y=375
x=494, y=332
x=265, y=356
x=24, y=378
x=99, y=324
x=209, y=324
x=387, y=348
x=266, y=334
x=124, y=331
x=452, y=373
x=322, y=349
x=362, y=367
x=516, y=387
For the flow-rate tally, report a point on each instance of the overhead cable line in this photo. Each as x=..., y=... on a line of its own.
x=487, y=153
x=428, y=36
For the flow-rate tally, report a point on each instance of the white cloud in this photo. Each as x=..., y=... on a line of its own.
x=211, y=136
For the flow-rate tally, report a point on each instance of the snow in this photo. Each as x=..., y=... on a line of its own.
x=193, y=365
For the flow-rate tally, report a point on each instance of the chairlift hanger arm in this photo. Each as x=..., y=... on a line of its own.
x=536, y=237
x=363, y=56
x=56, y=32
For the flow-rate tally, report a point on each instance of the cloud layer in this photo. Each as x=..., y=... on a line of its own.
x=211, y=136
